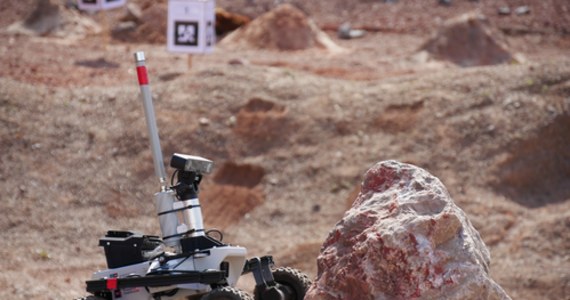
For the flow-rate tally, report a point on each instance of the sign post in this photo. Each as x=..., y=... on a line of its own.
x=191, y=26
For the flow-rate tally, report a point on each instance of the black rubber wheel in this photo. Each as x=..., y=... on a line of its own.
x=226, y=293
x=293, y=283
x=90, y=297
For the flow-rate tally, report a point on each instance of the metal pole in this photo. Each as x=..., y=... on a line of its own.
x=150, y=119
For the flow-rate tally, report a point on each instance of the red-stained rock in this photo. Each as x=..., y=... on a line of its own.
x=403, y=238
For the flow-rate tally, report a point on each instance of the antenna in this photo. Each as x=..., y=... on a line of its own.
x=150, y=119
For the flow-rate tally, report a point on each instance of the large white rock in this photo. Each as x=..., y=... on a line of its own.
x=403, y=238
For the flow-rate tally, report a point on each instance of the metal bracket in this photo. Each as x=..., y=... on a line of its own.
x=261, y=269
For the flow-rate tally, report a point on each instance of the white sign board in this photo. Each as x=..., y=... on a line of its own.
x=95, y=5
x=191, y=26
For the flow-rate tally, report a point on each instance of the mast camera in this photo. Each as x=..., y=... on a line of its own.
x=191, y=163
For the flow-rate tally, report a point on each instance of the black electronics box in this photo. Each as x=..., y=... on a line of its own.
x=123, y=248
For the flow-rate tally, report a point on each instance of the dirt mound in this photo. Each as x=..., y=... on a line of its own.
x=537, y=170
x=233, y=194
x=150, y=28
x=284, y=28
x=51, y=18
x=468, y=41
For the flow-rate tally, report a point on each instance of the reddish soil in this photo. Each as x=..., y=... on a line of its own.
x=291, y=133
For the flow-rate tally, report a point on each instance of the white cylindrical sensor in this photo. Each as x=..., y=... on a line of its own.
x=167, y=217
x=193, y=217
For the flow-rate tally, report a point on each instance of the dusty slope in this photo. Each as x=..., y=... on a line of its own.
x=75, y=159
x=68, y=181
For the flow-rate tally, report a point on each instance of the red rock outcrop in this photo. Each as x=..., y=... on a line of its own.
x=403, y=238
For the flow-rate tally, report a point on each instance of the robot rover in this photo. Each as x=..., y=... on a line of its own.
x=188, y=262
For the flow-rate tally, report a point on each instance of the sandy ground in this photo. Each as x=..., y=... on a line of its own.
x=298, y=128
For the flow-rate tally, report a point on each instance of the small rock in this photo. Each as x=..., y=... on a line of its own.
x=522, y=10
x=445, y=2
x=204, y=121
x=343, y=31
x=346, y=32
x=551, y=109
x=231, y=121
x=125, y=26
x=504, y=11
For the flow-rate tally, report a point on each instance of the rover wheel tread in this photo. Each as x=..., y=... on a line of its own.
x=90, y=297
x=226, y=293
x=292, y=278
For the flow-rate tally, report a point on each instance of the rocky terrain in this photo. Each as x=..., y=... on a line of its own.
x=291, y=131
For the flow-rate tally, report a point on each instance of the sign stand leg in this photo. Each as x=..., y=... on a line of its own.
x=106, y=29
x=189, y=61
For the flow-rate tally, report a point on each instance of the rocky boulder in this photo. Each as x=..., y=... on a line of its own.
x=403, y=238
